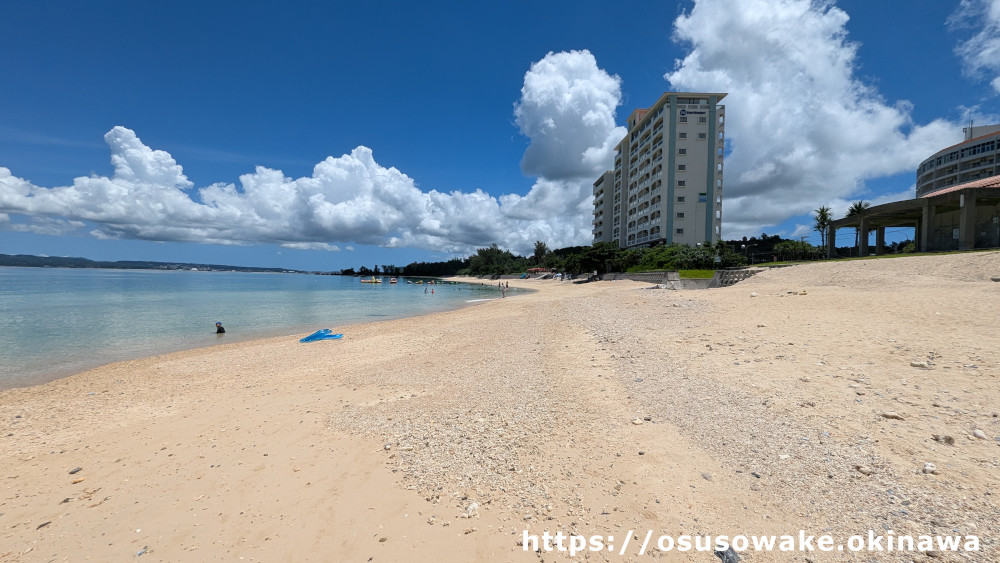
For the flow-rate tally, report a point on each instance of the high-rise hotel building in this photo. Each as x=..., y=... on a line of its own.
x=667, y=183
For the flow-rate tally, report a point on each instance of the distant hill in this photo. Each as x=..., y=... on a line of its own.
x=28, y=261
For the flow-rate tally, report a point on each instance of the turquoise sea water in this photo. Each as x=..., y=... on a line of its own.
x=55, y=322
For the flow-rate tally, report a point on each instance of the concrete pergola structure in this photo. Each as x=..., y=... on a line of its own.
x=961, y=217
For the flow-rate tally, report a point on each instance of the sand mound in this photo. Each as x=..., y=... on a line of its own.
x=906, y=271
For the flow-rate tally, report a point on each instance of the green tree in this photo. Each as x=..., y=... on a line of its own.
x=728, y=258
x=858, y=208
x=822, y=223
x=540, y=251
x=797, y=250
x=492, y=261
x=554, y=262
x=676, y=257
x=629, y=259
x=574, y=264
x=450, y=268
x=601, y=257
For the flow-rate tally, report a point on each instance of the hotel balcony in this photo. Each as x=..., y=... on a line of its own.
x=985, y=162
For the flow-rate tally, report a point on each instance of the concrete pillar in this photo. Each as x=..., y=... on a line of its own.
x=880, y=240
x=926, y=226
x=967, y=221
x=831, y=241
x=862, y=236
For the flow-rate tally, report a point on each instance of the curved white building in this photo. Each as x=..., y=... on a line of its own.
x=957, y=205
x=974, y=158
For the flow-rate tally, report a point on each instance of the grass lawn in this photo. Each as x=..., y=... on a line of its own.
x=696, y=274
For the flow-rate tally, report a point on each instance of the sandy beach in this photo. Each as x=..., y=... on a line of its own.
x=810, y=398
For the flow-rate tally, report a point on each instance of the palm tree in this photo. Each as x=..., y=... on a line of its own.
x=822, y=223
x=858, y=208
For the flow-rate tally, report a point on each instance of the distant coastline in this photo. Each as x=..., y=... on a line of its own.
x=30, y=261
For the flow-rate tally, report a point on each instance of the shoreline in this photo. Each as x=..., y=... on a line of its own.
x=594, y=408
x=47, y=371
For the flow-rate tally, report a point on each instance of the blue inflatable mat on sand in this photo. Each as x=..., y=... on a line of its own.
x=325, y=334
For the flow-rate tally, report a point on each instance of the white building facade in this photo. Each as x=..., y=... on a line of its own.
x=603, y=208
x=667, y=183
x=977, y=157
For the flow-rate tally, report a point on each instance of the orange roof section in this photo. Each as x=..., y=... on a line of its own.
x=991, y=182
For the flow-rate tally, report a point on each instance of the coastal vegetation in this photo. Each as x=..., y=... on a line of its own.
x=602, y=257
x=605, y=257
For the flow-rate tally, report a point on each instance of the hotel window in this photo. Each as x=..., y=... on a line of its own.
x=681, y=183
x=702, y=135
x=703, y=119
x=680, y=214
x=682, y=119
x=682, y=167
x=679, y=231
x=680, y=199
x=682, y=135
x=682, y=151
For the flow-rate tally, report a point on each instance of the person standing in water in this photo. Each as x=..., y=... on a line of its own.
x=219, y=329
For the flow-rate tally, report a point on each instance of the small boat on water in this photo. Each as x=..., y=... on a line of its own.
x=373, y=280
x=392, y=280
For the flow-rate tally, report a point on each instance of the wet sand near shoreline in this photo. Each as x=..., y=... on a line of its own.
x=805, y=398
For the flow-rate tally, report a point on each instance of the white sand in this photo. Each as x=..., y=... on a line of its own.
x=374, y=447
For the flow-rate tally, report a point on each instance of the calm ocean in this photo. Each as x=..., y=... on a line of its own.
x=56, y=322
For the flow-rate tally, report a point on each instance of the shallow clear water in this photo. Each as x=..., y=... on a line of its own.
x=55, y=321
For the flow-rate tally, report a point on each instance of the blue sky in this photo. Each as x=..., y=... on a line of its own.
x=328, y=135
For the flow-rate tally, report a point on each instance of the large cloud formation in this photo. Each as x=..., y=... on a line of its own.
x=567, y=109
x=980, y=53
x=803, y=130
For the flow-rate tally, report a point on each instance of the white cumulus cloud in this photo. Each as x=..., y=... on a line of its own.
x=567, y=109
x=980, y=54
x=802, y=127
